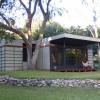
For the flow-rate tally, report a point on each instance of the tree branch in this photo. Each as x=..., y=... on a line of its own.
x=35, y=5
x=4, y=18
x=14, y=30
x=45, y=13
x=48, y=3
x=24, y=6
x=41, y=7
x=30, y=1
x=1, y=2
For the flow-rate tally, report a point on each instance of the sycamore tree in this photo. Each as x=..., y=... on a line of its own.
x=10, y=13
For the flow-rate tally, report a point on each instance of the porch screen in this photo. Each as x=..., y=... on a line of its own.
x=67, y=57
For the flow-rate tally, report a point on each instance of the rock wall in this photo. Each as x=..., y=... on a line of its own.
x=50, y=82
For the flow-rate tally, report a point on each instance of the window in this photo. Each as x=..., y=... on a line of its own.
x=25, y=51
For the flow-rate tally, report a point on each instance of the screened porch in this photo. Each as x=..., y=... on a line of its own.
x=67, y=54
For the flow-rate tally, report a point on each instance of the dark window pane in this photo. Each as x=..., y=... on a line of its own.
x=25, y=51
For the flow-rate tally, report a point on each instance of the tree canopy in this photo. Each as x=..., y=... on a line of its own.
x=11, y=11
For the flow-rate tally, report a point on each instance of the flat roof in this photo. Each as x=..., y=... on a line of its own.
x=71, y=36
x=72, y=40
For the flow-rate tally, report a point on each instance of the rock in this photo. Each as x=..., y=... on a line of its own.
x=50, y=82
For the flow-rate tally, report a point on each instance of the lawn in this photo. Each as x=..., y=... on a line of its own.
x=52, y=75
x=8, y=92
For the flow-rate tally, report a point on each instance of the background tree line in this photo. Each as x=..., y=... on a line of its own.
x=54, y=28
x=51, y=29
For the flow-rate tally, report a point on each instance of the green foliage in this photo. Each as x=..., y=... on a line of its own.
x=1, y=31
x=7, y=4
x=51, y=29
x=71, y=52
x=55, y=29
x=6, y=35
x=79, y=31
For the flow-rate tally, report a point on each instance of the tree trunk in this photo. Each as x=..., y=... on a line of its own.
x=36, y=52
x=38, y=44
x=29, y=57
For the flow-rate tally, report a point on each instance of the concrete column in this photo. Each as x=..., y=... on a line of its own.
x=98, y=51
x=90, y=56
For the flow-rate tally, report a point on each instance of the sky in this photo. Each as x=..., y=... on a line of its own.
x=78, y=13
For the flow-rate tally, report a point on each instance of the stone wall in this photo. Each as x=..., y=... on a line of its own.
x=51, y=82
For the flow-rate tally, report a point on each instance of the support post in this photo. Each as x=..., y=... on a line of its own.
x=90, y=56
x=98, y=51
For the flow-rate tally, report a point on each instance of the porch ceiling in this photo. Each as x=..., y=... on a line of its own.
x=72, y=42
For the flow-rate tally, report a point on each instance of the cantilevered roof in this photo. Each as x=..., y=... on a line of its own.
x=71, y=36
x=73, y=40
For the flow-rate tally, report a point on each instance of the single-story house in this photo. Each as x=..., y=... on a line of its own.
x=61, y=52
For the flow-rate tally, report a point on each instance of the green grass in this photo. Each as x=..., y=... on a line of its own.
x=8, y=92
x=52, y=75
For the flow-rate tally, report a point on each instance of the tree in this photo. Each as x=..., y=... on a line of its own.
x=51, y=29
x=92, y=28
x=29, y=8
x=76, y=30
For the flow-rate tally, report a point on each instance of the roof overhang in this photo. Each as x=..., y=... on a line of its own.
x=73, y=40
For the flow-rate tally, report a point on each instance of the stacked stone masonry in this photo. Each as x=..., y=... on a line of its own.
x=50, y=82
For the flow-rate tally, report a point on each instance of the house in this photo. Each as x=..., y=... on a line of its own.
x=13, y=55
x=67, y=52
x=64, y=52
